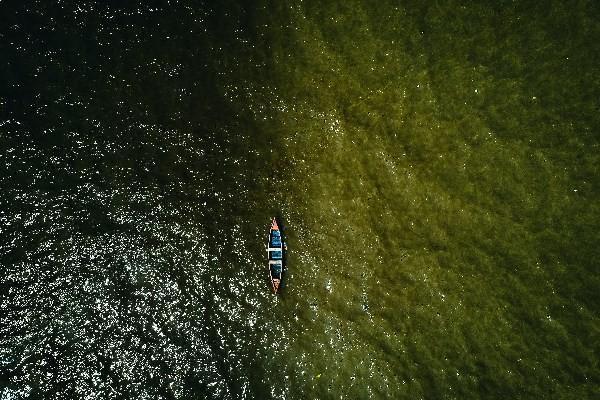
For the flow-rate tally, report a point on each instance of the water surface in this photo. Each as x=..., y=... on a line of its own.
x=435, y=168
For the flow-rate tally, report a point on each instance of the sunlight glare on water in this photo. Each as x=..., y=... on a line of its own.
x=432, y=168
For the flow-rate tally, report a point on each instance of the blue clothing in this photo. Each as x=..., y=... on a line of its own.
x=276, y=239
x=276, y=268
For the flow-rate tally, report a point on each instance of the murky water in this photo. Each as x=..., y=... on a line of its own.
x=435, y=168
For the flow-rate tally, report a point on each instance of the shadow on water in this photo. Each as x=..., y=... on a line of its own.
x=138, y=170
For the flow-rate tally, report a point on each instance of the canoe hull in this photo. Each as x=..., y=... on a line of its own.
x=275, y=256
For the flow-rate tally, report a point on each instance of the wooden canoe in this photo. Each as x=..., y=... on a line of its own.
x=275, y=248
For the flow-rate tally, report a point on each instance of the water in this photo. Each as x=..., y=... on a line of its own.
x=435, y=169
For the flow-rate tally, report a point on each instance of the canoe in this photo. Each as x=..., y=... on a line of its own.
x=275, y=248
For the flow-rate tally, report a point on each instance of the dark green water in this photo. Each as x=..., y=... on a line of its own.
x=435, y=167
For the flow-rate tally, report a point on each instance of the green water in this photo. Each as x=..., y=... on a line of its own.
x=435, y=166
x=442, y=164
